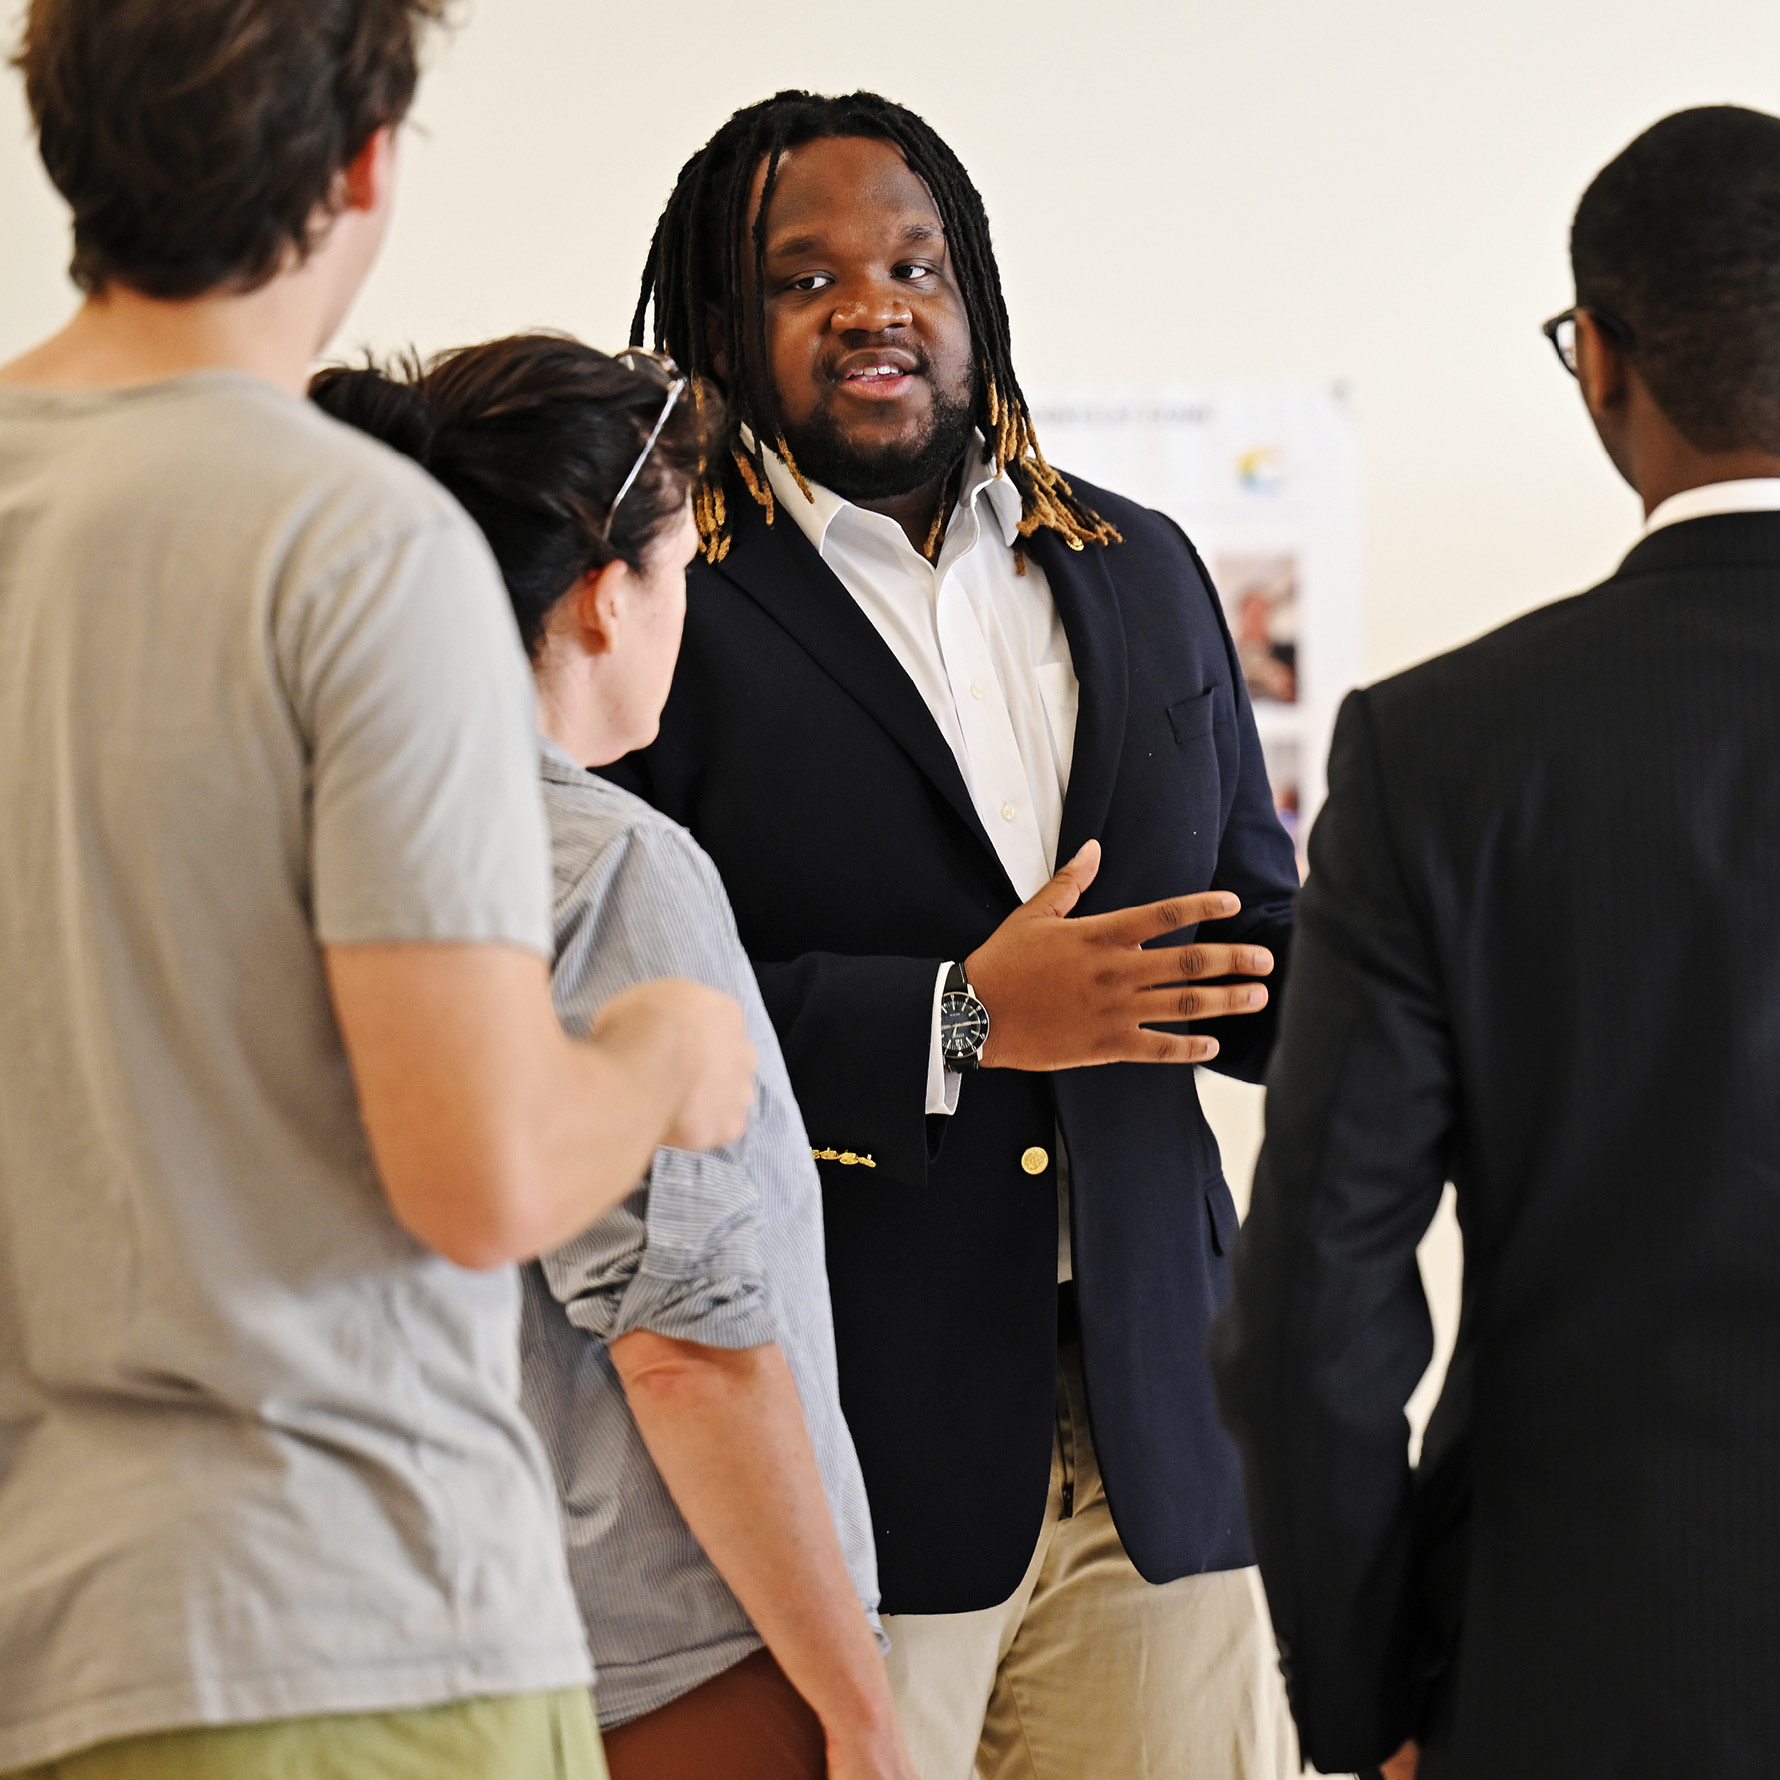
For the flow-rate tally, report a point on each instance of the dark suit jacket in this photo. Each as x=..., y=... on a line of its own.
x=802, y=757
x=1540, y=956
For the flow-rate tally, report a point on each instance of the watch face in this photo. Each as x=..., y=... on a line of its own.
x=963, y=1025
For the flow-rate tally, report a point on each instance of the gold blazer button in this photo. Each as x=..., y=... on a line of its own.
x=1035, y=1160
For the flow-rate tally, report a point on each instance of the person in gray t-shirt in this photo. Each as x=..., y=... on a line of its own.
x=679, y=1355
x=283, y=1091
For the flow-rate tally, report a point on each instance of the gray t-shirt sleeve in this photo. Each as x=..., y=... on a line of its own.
x=683, y=1256
x=407, y=680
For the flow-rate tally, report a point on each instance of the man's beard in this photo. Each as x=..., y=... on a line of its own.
x=883, y=472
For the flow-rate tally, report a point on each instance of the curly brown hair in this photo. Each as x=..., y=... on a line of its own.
x=198, y=143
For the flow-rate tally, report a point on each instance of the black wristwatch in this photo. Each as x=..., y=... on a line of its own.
x=963, y=1022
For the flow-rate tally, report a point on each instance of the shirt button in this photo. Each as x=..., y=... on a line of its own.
x=1035, y=1160
x=1008, y=812
x=978, y=692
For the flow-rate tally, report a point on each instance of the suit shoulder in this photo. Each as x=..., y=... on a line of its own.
x=1154, y=559
x=1524, y=648
x=1505, y=696
x=1137, y=524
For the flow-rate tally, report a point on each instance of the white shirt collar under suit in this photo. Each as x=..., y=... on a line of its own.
x=1753, y=494
x=982, y=643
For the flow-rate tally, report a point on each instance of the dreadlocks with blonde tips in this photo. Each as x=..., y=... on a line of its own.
x=705, y=256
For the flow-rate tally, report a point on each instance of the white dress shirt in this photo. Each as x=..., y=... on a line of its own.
x=987, y=652
x=1753, y=494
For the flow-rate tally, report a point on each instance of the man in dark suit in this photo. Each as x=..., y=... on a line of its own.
x=1540, y=957
x=920, y=672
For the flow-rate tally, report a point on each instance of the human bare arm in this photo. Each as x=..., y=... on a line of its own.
x=727, y=1433
x=495, y=1136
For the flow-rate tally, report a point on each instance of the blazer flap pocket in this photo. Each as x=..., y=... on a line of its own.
x=1224, y=1221
x=1191, y=717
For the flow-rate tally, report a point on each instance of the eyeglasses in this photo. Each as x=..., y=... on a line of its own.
x=661, y=369
x=1561, y=332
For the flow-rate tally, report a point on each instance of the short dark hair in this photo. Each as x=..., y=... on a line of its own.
x=534, y=435
x=1678, y=240
x=196, y=140
x=704, y=260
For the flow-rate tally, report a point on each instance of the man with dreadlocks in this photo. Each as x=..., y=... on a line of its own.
x=922, y=670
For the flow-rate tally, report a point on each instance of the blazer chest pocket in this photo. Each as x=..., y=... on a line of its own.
x=1191, y=718
x=1181, y=797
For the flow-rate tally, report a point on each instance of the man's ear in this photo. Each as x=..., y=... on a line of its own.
x=1600, y=366
x=366, y=180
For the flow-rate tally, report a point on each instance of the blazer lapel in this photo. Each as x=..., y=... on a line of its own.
x=779, y=569
x=1088, y=603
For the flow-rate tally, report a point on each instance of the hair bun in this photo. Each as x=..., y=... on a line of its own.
x=388, y=408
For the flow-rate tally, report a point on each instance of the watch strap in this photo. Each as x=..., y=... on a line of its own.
x=957, y=983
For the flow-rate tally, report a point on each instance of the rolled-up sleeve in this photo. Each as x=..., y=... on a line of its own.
x=682, y=1256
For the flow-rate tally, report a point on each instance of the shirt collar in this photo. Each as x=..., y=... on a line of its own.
x=557, y=763
x=1754, y=494
x=815, y=513
x=997, y=488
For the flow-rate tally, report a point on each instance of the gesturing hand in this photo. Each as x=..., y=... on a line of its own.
x=1064, y=993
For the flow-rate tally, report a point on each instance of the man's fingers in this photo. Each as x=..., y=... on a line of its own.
x=1067, y=884
x=1193, y=963
x=1191, y=1002
x=1140, y=1044
x=1169, y=1047
x=1165, y=966
x=1403, y=1764
x=1150, y=920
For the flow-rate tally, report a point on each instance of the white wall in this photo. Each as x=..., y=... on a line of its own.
x=1377, y=191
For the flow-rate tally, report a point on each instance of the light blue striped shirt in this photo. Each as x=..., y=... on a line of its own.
x=723, y=1248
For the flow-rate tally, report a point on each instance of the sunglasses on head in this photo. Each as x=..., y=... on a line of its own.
x=662, y=370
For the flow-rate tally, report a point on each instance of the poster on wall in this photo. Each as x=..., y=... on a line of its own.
x=1264, y=478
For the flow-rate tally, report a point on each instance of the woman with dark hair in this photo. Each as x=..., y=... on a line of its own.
x=678, y=1357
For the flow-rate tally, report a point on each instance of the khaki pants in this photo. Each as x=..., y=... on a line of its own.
x=1088, y=1672
x=534, y=1736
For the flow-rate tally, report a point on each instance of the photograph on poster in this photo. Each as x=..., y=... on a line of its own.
x=1264, y=479
x=1260, y=595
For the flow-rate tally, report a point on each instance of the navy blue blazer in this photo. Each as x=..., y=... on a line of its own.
x=803, y=759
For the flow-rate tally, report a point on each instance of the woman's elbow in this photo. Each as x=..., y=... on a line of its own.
x=666, y=1368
